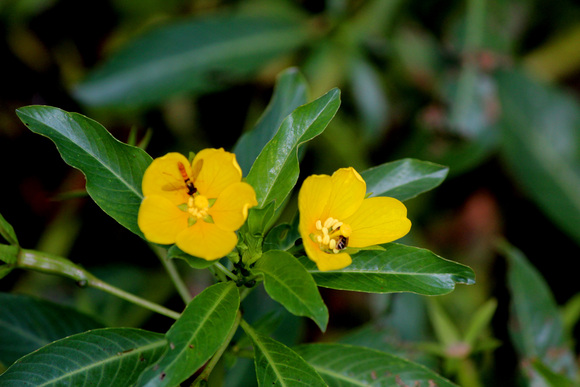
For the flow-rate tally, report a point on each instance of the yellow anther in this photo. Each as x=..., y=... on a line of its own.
x=328, y=222
x=336, y=225
x=325, y=239
x=332, y=244
x=318, y=225
x=319, y=238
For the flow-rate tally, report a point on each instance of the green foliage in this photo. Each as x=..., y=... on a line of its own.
x=483, y=94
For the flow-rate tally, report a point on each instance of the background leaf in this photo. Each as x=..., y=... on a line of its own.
x=7, y=231
x=537, y=328
x=276, y=364
x=290, y=91
x=540, y=144
x=287, y=282
x=404, y=179
x=275, y=171
x=28, y=323
x=195, y=337
x=195, y=55
x=398, y=268
x=102, y=357
x=347, y=365
x=113, y=170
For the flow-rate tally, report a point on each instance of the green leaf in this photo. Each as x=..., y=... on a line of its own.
x=403, y=179
x=194, y=55
x=276, y=364
x=288, y=282
x=275, y=171
x=398, y=268
x=283, y=236
x=347, y=365
x=102, y=357
x=538, y=329
x=113, y=170
x=290, y=91
x=541, y=133
x=7, y=231
x=28, y=323
x=195, y=262
x=196, y=336
x=9, y=253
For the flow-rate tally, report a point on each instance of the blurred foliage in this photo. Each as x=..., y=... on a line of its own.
x=488, y=88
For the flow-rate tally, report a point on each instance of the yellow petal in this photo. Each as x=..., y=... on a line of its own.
x=230, y=210
x=326, y=261
x=312, y=200
x=160, y=220
x=219, y=170
x=163, y=178
x=206, y=240
x=378, y=220
x=348, y=192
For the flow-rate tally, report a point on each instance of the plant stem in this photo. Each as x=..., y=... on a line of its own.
x=47, y=263
x=173, y=274
x=224, y=270
x=204, y=376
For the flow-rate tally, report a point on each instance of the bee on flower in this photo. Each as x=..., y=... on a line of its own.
x=197, y=205
x=335, y=216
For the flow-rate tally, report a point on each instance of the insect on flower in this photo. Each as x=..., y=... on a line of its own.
x=188, y=183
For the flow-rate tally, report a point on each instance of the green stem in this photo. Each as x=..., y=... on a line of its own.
x=204, y=376
x=47, y=263
x=173, y=274
x=224, y=270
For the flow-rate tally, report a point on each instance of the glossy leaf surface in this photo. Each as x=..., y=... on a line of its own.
x=102, y=357
x=113, y=170
x=276, y=170
x=346, y=365
x=189, y=56
x=276, y=364
x=290, y=91
x=398, y=268
x=403, y=179
x=289, y=283
x=28, y=323
x=195, y=337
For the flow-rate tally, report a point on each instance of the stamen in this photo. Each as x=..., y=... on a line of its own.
x=325, y=239
x=332, y=244
x=328, y=222
x=318, y=225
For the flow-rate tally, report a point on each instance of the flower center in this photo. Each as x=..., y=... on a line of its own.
x=331, y=235
x=197, y=207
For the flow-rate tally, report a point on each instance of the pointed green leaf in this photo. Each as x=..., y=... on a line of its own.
x=276, y=364
x=195, y=337
x=288, y=282
x=195, y=262
x=275, y=171
x=290, y=91
x=398, y=268
x=346, y=365
x=193, y=55
x=7, y=231
x=113, y=170
x=538, y=328
x=404, y=179
x=102, y=357
x=28, y=323
x=9, y=253
x=541, y=133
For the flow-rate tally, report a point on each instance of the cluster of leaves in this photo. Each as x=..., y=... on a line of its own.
x=460, y=79
x=114, y=171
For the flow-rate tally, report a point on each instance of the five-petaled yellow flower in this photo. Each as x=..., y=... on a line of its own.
x=334, y=215
x=197, y=205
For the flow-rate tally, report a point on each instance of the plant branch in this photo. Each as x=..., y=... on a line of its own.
x=47, y=263
x=173, y=274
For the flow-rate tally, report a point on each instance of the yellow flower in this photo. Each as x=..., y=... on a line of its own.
x=334, y=215
x=197, y=206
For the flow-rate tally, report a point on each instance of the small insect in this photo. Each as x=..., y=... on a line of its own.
x=190, y=187
x=342, y=242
